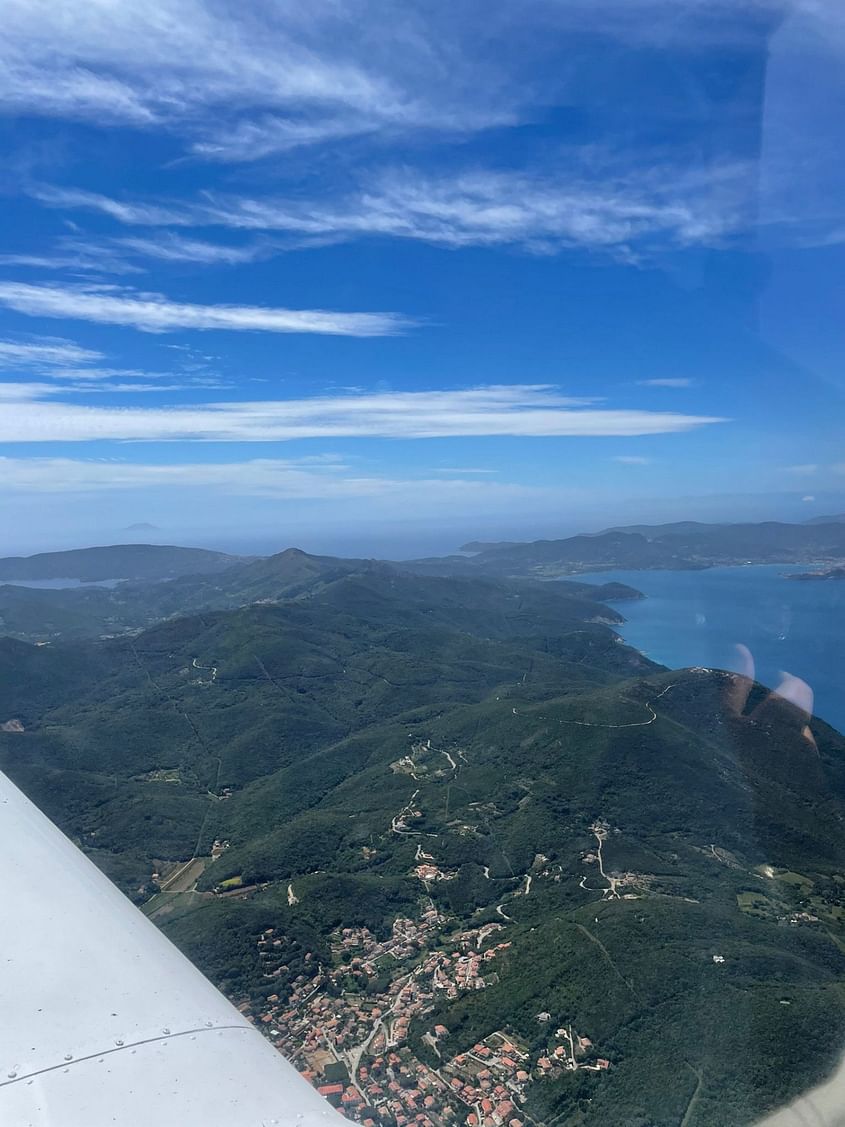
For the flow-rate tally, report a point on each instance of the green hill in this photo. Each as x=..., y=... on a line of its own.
x=46, y=615
x=117, y=561
x=49, y=615
x=664, y=859
x=686, y=544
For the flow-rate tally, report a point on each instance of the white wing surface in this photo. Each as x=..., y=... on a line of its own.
x=103, y=1021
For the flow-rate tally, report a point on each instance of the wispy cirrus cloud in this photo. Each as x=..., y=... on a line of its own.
x=43, y=353
x=169, y=247
x=457, y=470
x=70, y=262
x=29, y=392
x=78, y=254
x=632, y=460
x=541, y=212
x=72, y=369
x=153, y=313
x=600, y=206
x=99, y=372
x=669, y=381
x=75, y=255
x=283, y=479
x=64, y=386
x=243, y=83
x=240, y=84
x=131, y=213
x=518, y=410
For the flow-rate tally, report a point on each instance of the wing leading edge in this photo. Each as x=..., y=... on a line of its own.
x=105, y=1021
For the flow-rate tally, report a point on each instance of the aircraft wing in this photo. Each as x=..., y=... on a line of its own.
x=103, y=1021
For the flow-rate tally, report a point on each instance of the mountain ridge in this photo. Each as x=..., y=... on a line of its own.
x=114, y=561
x=682, y=545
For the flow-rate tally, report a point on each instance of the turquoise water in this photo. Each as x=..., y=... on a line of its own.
x=698, y=617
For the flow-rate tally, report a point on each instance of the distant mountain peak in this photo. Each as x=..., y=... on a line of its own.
x=293, y=554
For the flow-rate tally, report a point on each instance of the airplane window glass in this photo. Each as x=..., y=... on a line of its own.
x=422, y=590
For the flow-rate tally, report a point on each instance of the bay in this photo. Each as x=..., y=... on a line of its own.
x=698, y=618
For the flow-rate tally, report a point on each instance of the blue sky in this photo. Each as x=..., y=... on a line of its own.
x=374, y=276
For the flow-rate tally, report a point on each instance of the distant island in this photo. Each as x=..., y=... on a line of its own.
x=837, y=572
x=682, y=546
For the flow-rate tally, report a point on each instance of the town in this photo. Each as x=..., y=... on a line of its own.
x=346, y=1027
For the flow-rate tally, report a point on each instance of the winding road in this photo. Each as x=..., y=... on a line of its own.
x=634, y=724
x=610, y=892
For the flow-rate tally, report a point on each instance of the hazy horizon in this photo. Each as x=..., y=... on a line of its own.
x=410, y=539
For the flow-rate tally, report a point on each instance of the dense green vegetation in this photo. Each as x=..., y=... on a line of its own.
x=118, y=561
x=360, y=714
x=51, y=615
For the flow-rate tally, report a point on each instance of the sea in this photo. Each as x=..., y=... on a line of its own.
x=699, y=617
x=59, y=584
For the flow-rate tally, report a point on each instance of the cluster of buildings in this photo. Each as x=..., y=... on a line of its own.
x=569, y=1054
x=803, y=918
x=490, y=1080
x=493, y=1076
x=426, y=872
x=346, y=1027
x=466, y=968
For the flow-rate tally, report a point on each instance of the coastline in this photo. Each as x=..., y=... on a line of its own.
x=697, y=618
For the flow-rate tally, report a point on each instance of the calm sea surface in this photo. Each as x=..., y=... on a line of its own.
x=58, y=584
x=698, y=617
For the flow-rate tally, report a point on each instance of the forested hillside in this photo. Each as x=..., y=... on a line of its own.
x=118, y=561
x=653, y=859
x=53, y=615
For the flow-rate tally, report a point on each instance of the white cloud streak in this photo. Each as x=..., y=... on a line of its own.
x=261, y=477
x=18, y=392
x=458, y=470
x=74, y=370
x=239, y=83
x=155, y=314
x=494, y=208
x=44, y=353
x=243, y=83
x=671, y=381
x=519, y=410
x=132, y=214
x=169, y=247
x=632, y=460
x=77, y=257
x=541, y=212
x=72, y=375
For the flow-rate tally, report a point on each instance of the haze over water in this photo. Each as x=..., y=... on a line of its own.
x=699, y=617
